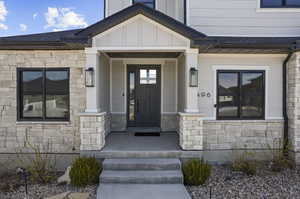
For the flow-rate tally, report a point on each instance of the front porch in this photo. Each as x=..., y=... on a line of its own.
x=142, y=79
x=127, y=145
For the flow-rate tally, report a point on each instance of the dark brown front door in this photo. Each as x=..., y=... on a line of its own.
x=144, y=95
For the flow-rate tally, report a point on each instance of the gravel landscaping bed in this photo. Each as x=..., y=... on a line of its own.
x=265, y=184
x=11, y=187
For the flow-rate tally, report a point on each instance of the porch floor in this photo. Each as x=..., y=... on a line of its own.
x=126, y=145
x=127, y=141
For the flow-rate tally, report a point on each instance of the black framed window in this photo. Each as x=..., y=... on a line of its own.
x=43, y=94
x=149, y=3
x=240, y=94
x=280, y=3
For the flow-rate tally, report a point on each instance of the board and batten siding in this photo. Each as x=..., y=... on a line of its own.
x=140, y=31
x=241, y=18
x=172, y=8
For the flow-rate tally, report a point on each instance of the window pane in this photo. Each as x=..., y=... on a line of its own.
x=143, y=76
x=32, y=91
x=272, y=3
x=57, y=88
x=252, y=94
x=57, y=106
x=131, y=96
x=148, y=76
x=228, y=106
x=228, y=91
x=149, y=3
x=33, y=106
x=152, y=77
x=295, y=3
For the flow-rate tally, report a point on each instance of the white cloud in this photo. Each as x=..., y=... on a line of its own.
x=35, y=15
x=23, y=27
x=3, y=11
x=63, y=18
x=3, y=26
x=3, y=14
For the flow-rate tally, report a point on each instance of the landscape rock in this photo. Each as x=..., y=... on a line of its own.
x=78, y=196
x=66, y=177
x=59, y=196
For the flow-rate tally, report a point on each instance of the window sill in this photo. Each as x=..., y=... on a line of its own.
x=43, y=122
x=278, y=10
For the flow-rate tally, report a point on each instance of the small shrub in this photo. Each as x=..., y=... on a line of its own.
x=85, y=171
x=280, y=159
x=280, y=163
x=196, y=172
x=40, y=166
x=243, y=163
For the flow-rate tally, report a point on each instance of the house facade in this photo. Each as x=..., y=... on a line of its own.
x=224, y=75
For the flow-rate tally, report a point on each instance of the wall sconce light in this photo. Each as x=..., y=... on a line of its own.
x=193, y=77
x=89, y=77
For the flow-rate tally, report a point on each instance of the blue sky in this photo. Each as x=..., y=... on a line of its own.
x=18, y=17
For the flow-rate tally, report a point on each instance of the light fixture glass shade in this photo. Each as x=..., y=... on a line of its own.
x=89, y=77
x=193, y=77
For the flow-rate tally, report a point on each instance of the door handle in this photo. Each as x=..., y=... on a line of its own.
x=137, y=106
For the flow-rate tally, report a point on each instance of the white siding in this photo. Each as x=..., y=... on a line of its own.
x=173, y=8
x=207, y=79
x=169, y=87
x=140, y=32
x=104, y=90
x=241, y=18
x=181, y=83
x=118, y=86
x=113, y=6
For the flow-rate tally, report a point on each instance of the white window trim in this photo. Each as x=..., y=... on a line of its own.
x=260, y=9
x=236, y=67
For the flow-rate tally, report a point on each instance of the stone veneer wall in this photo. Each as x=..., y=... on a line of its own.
x=93, y=130
x=224, y=135
x=63, y=137
x=191, y=131
x=293, y=103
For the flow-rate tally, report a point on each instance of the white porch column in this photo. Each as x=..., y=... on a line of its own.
x=191, y=93
x=92, y=101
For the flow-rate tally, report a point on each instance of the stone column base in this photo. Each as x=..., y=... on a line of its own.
x=191, y=131
x=92, y=131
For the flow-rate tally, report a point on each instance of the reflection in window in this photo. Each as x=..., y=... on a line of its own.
x=43, y=94
x=240, y=94
x=131, y=96
x=280, y=3
x=149, y=3
x=32, y=90
x=57, y=84
x=228, y=94
x=148, y=76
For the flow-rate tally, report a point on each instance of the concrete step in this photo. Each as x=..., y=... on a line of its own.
x=141, y=177
x=141, y=164
x=142, y=191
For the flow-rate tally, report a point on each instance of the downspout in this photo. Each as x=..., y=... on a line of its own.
x=284, y=105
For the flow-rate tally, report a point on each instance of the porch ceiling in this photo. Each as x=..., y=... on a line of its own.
x=143, y=54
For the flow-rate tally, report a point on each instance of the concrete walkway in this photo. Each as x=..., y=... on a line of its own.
x=142, y=191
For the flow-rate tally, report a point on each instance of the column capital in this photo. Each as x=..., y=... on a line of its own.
x=92, y=51
x=191, y=51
